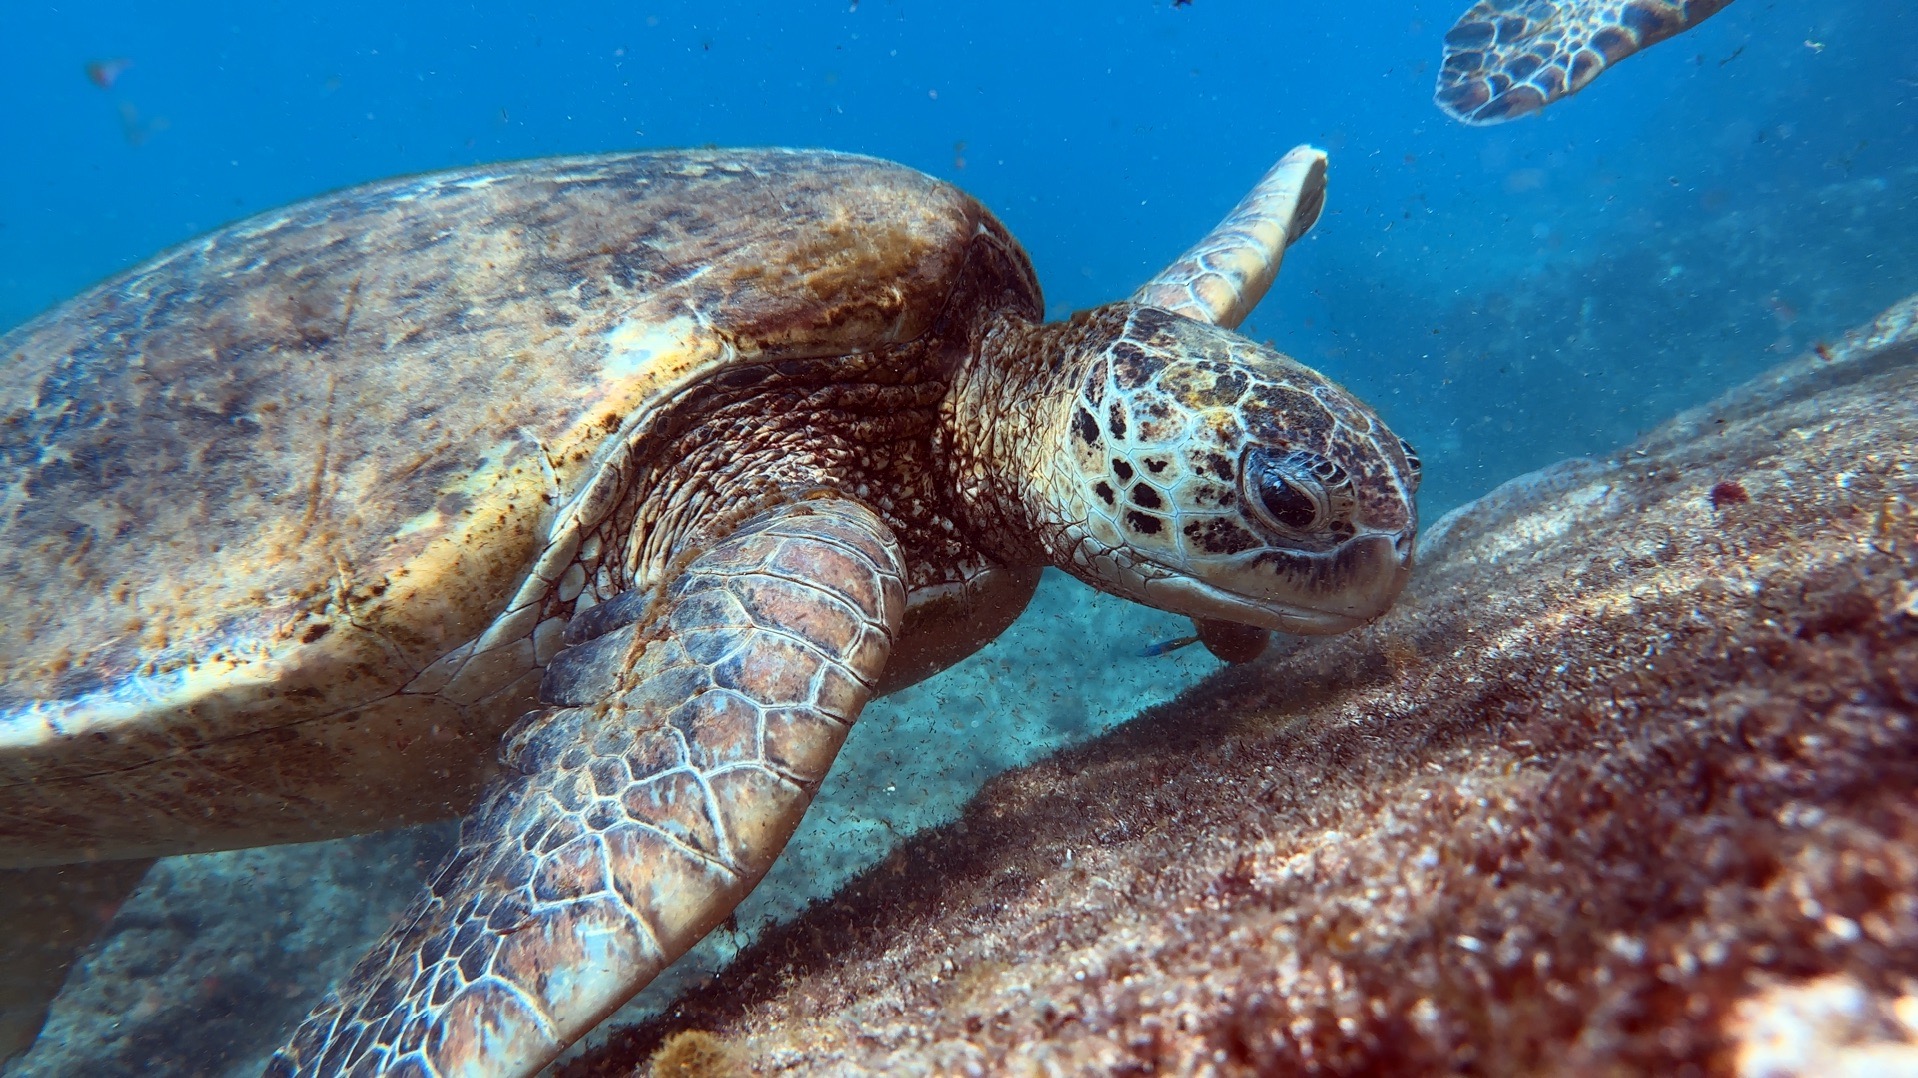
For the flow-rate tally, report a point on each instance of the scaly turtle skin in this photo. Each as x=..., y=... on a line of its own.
x=597, y=496
x=1509, y=58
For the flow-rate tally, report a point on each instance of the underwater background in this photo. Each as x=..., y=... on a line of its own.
x=1504, y=296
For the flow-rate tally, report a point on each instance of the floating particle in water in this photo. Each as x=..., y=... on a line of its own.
x=136, y=128
x=1729, y=492
x=1781, y=309
x=104, y=73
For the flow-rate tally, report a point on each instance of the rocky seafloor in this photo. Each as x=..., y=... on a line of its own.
x=1624, y=784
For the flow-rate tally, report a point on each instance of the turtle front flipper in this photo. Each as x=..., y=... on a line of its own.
x=1509, y=58
x=1225, y=274
x=630, y=818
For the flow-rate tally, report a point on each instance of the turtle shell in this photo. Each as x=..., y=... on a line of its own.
x=292, y=510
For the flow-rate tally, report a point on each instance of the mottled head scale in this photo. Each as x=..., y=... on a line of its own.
x=1205, y=474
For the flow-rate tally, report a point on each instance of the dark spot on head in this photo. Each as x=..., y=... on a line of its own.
x=1095, y=386
x=1155, y=465
x=1729, y=492
x=1104, y=491
x=1115, y=420
x=1085, y=426
x=1121, y=469
x=1228, y=385
x=1219, y=536
x=1147, y=321
x=1221, y=466
x=1129, y=367
x=1145, y=497
x=314, y=632
x=1213, y=496
x=1143, y=523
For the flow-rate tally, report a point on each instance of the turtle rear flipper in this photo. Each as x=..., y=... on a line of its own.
x=1508, y=58
x=629, y=821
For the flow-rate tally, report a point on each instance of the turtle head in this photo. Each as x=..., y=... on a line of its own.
x=1206, y=475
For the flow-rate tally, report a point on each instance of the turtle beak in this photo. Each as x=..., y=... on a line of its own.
x=1308, y=593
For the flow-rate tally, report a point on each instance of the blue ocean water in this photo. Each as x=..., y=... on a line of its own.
x=1108, y=136
x=1505, y=296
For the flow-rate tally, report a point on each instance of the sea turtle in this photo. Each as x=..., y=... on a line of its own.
x=596, y=496
x=1509, y=58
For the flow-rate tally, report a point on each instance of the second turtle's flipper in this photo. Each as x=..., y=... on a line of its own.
x=630, y=819
x=1227, y=273
x=1508, y=58
x=48, y=916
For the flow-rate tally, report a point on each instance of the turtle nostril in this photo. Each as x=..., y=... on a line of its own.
x=1407, y=546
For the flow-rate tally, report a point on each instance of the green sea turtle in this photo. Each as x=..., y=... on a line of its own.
x=1509, y=58
x=596, y=496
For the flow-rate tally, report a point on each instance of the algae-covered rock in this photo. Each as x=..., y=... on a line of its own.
x=1623, y=782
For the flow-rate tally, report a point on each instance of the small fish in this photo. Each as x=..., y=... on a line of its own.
x=1227, y=641
x=104, y=73
x=1167, y=647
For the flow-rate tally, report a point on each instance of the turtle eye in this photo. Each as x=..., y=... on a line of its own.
x=1412, y=462
x=1288, y=490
